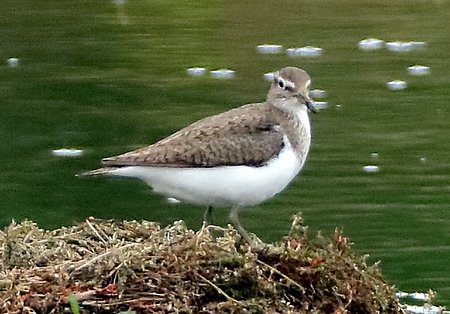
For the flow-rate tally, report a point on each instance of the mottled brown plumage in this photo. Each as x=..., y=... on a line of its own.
x=249, y=135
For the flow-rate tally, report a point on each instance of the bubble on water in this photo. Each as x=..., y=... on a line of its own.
x=321, y=104
x=318, y=93
x=13, y=62
x=371, y=44
x=374, y=155
x=418, y=296
x=399, y=46
x=396, y=85
x=223, y=73
x=291, y=52
x=196, y=71
x=67, y=152
x=404, y=46
x=371, y=169
x=418, y=44
x=423, y=159
x=269, y=76
x=308, y=51
x=269, y=49
x=422, y=309
x=173, y=200
x=418, y=70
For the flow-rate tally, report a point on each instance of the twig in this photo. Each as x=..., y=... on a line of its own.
x=103, y=255
x=157, y=297
x=219, y=290
x=95, y=231
x=83, y=296
x=282, y=275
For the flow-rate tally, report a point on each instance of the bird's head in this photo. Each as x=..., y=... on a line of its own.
x=291, y=83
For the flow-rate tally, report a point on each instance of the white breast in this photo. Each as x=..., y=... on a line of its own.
x=304, y=131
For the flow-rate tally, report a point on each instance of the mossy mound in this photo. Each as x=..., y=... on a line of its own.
x=112, y=266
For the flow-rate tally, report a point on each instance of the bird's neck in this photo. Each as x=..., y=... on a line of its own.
x=295, y=109
x=297, y=128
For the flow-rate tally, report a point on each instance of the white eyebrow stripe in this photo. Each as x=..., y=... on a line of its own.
x=289, y=84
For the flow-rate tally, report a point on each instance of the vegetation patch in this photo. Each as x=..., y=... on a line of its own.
x=106, y=266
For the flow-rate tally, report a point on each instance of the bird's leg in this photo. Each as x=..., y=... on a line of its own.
x=234, y=218
x=207, y=219
x=207, y=216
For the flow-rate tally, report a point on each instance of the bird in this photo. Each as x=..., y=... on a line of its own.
x=234, y=159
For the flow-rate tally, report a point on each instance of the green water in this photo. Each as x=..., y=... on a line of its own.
x=109, y=78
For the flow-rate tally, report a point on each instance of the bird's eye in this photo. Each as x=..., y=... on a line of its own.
x=285, y=84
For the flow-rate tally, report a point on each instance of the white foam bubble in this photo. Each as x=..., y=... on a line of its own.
x=173, y=200
x=399, y=46
x=67, y=152
x=371, y=44
x=269, y=76
x=418, y=44
x=321, y=104
x=422, y=309
x=371, y=169
x=269, y=49
x=396, y=85
x=307, y=51
x=418, y=70
x=404, y=46
x=13, y=62
x=196, y=71
x=223, y=73
x=318, y=93
x=291, y=52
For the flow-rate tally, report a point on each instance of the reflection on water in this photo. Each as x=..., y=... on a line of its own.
x=108, y=77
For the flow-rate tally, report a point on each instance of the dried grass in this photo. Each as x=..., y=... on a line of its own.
x=112, y=266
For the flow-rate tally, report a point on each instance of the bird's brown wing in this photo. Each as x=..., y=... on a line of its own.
x=248, y=135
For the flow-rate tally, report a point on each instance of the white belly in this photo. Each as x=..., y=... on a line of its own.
x=226, y=186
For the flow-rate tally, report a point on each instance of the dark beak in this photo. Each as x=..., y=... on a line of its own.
x=311, y=106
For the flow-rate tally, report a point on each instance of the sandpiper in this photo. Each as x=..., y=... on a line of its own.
x=238, y=158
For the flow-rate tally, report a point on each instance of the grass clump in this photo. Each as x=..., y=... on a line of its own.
x=110, y=266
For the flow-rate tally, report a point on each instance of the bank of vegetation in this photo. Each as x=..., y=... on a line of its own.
x=110, y=266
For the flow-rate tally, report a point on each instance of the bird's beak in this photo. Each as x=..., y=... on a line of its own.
x=309, y=102
x=311, y=106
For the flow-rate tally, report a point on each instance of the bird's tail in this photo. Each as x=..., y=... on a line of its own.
x=97, y=172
